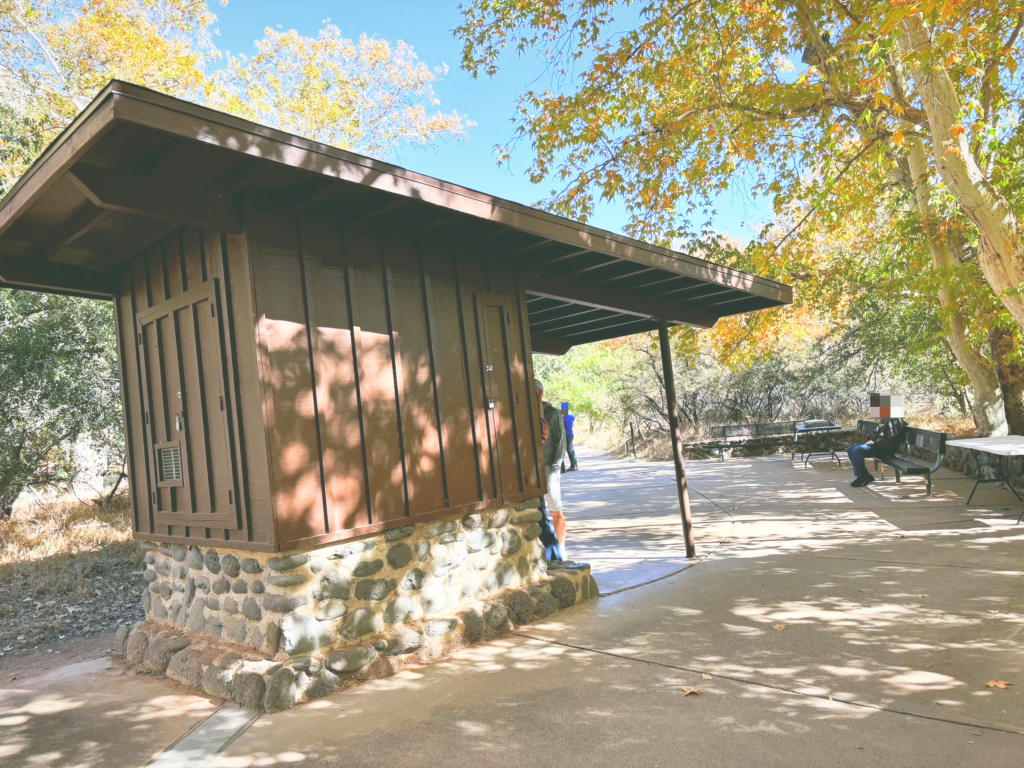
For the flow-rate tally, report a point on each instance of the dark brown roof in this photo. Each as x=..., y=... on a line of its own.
x=136, y=163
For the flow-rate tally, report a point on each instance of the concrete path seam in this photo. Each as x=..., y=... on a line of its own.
x=207, y=739
x=761, y=684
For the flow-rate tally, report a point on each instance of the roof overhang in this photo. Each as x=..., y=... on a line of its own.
x=136, y=164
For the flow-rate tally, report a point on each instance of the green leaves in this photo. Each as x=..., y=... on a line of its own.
x=58, y=384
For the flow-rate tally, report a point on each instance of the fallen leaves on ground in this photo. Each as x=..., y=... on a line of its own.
x=779, y=627
x=706, y=676
x=691, y=691
x=55, y=586
x=997, y=683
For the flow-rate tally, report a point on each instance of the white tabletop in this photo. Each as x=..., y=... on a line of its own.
x=1010, y=445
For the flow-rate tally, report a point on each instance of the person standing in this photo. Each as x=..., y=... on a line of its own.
x=568, y=420
x=553, y=453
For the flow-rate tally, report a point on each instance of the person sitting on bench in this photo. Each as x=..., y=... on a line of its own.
x=885, y=441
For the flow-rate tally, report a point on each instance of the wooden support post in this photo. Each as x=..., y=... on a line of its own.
x=677, y=438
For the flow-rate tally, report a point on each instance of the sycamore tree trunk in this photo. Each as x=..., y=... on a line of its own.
x=987, y=406
x=1001, y=248
x=1010, y=372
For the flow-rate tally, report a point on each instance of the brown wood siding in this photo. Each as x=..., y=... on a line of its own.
x=462, y=470
x=228, y=256
x=425, y=472
x=373, y=376
x=472, y=281
x=335, y=365
x=176, y=328
x=376, y=370
x=286, y=374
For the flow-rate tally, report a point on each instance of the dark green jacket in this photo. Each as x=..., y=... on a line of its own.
x=554, y=446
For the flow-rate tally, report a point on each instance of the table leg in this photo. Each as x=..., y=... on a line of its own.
x=977, y=469
x=1006, y=481
x=831, y=448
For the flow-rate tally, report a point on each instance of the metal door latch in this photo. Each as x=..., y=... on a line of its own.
x=490, y=404
x=488, y=368
x=177, y=421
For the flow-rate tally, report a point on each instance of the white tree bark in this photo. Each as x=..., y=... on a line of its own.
x=987, y=405
x=1001, y=250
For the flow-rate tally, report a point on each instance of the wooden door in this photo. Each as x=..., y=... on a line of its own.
x=186, y=418
x=500, y=394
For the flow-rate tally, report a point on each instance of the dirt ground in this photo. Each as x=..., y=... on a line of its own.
x=67, y=571
x=49, y=656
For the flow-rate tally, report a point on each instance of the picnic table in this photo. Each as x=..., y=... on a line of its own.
x=1010, y=445
x=819, y=427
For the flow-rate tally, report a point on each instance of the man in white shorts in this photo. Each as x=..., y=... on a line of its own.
x=554, y=452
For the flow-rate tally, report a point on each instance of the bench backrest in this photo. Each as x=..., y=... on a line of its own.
x=866, y=427
x=928, y=441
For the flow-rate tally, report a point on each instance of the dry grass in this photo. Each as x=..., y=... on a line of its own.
x=925, y=417
x=67, y=569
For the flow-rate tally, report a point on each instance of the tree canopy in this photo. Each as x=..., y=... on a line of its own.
x=901, y=116
x=55, y=55
x=58, y=378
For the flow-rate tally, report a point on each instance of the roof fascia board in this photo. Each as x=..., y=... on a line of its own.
x=63, y=152
x=144, y=107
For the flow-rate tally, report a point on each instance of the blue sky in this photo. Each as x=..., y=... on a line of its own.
x=427, y=26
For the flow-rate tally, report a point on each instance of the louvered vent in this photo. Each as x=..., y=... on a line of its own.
x=170, y=464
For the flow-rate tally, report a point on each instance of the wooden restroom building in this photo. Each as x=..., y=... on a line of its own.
x=315, y=345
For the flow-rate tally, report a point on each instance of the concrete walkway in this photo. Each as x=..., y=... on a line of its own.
x=822, y=625
x=825, y=626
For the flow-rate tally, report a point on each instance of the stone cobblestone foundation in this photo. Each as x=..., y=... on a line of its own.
x=970, y=463
x=269, y=631
x=769, y=445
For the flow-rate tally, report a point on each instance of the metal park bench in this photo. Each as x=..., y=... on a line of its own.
x=768, y=429
x=865, y=429
x=912, y=436
x=918, y=438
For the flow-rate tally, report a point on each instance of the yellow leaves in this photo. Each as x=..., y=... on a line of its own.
x=997, y=684
x=899, y=139
x=687, y=691
x=705, y=676
x=779, y=627
x=370, y=96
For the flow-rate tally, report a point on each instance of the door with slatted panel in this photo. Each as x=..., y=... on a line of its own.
x=502, y=395
x=186, y=411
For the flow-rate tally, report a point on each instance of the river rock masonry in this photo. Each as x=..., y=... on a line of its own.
x=272, y=630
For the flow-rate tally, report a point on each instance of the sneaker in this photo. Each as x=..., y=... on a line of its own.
x=868, y=480
x=857, y=482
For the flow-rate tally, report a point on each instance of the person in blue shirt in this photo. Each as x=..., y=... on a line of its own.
x=568, y=418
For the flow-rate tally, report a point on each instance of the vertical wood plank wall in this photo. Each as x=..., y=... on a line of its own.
x=203, y=346
x=372, y=369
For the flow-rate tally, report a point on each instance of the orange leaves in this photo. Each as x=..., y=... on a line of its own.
x=691, y=691
x=779, y=627
x=998, y=684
